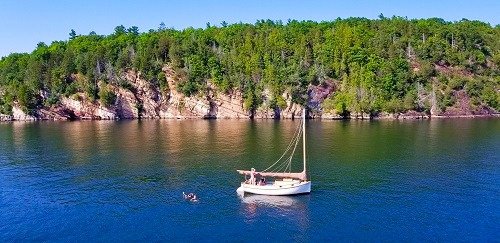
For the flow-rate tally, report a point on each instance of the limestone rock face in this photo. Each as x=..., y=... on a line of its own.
x=137, y=97
x=20, y=115
x=227, y=106
x=126, y=104
x=88, y=110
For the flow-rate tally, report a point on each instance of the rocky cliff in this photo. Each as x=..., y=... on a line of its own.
x=138, y=98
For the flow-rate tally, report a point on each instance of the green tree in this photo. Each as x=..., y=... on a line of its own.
x=72, y=34
x=388, y=64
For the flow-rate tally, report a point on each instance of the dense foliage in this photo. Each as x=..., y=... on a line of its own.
x=388, y=64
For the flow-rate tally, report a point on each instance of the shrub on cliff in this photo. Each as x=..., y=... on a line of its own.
x=107, y=96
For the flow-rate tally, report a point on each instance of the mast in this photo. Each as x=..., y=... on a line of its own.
x=304, y=138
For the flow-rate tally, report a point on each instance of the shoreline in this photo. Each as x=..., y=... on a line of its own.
x=7, y=119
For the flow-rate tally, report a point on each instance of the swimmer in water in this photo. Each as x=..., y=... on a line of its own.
x=191, y=197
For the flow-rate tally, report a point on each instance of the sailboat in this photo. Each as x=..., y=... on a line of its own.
x=285, y=182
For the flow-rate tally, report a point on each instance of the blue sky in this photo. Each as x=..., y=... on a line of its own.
x=24, y=23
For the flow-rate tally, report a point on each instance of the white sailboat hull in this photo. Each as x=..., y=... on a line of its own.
x=277, y=189
x=291, y=183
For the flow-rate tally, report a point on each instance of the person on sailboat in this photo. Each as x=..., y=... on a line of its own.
x=252, y=176
x=262, y=181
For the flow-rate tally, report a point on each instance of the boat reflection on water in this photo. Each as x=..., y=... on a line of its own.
x=293, y=209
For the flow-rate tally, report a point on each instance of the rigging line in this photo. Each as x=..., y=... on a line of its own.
x=289, y=167
x=293, y=152
x=276, y=166
x=278, y=169
x=281, y=166
x=295, y=137
x=287, y=149
x=289, y=159
x=284, y=165
x=287, y=164
x=277, y=161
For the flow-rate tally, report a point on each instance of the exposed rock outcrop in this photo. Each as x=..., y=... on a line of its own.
x=19, y=115
x=138, y=98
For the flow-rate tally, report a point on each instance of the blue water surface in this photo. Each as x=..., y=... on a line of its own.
x=101, y=181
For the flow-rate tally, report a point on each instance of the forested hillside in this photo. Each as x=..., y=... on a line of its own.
x=388, y=65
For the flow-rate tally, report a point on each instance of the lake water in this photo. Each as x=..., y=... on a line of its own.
x=435, y=180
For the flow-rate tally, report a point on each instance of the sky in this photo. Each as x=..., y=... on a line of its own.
x=24, y=23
